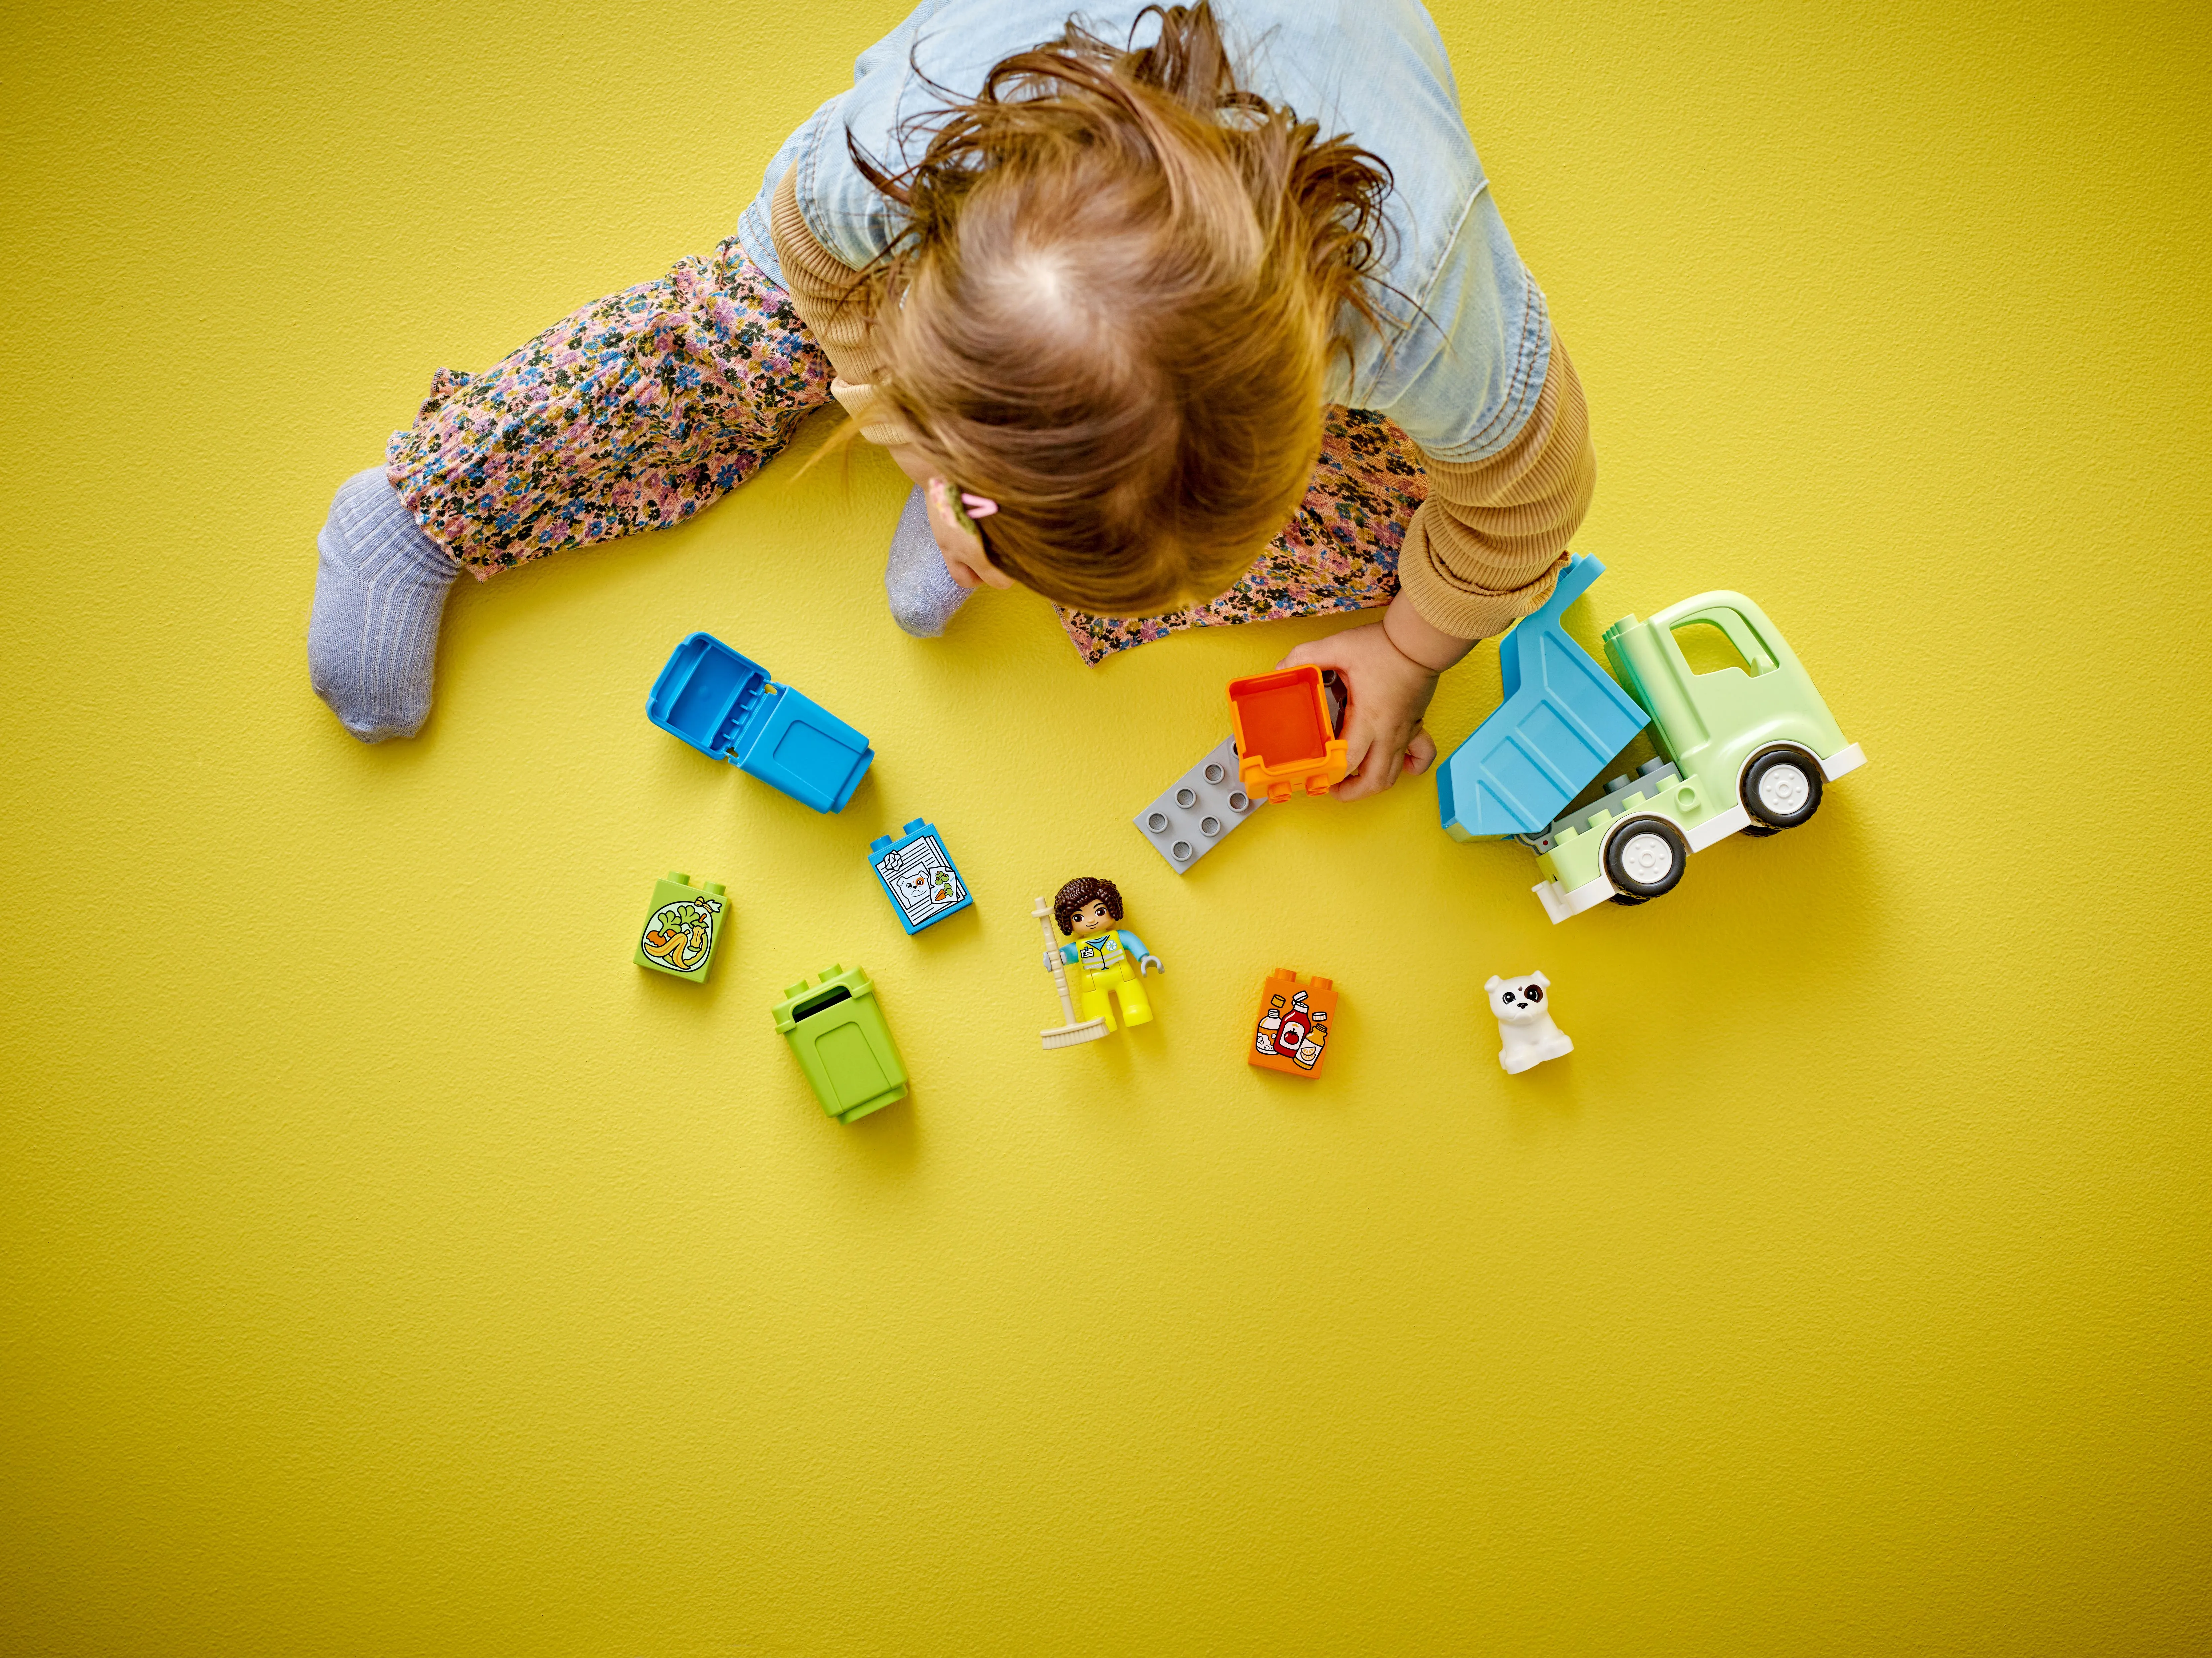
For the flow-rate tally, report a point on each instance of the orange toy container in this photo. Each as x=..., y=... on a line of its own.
x=1290, y=1032
x=1286, y=739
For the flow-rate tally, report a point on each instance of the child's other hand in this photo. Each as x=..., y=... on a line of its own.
x=1388, y=690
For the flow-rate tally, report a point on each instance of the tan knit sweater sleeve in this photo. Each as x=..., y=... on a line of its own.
x=1483, y=549
x=820, y=283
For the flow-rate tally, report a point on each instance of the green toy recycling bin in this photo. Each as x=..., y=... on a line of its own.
x=843, y=1045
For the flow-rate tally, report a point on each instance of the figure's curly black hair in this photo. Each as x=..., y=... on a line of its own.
x=1080, y=891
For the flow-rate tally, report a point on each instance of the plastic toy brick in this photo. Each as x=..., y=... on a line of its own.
x=918, y=875
x=1205, y=803
x=1284, y=732
x=1291, y=1031
x=682, y=928
x=725, y=705
x=838, y=1034
x=1561, y=718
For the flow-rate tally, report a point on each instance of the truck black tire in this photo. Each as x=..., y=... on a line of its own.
x=1781, y=788
x=1645, y=858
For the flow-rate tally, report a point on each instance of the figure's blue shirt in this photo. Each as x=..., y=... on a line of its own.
x=1459, y=374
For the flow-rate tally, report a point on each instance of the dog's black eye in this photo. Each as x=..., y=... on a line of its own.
x=1535, y=992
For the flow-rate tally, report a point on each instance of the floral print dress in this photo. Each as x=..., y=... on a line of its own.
x=640, y=408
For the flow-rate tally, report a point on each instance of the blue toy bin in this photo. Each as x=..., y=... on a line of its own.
x=1561, y=718
x=725, y=705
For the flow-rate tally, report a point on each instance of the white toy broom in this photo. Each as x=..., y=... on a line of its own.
x=1075, y=1030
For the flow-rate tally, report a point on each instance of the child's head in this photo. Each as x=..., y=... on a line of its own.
x=1114, y=309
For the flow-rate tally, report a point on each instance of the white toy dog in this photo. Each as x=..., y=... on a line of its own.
x=1525, y=1023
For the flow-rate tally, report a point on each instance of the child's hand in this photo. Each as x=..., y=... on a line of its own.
x=1389, y=689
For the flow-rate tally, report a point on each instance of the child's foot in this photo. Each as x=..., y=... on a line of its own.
x=922, y=591
x=381, y=587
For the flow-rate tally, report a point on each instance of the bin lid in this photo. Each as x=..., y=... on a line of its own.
x=705, y=693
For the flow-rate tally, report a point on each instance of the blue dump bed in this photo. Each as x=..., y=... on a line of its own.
x=1561, y=719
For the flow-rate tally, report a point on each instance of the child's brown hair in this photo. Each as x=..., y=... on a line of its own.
x=1113, y=306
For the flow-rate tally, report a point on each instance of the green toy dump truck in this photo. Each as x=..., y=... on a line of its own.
x=1743, y=749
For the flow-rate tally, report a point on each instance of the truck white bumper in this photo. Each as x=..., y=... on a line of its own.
x=1560, y=903
x=1718, y=828
x=1844, y=760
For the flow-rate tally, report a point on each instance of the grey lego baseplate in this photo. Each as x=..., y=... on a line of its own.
x=1203, y=806
x=1649, y=778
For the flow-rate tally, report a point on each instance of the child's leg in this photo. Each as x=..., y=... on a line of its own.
x=1136, y=1006
x=631, y=413
x=922, y=591
x=380, y=587
x=1339, y=552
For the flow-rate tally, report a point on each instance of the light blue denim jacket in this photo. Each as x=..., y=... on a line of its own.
x=1460, y=380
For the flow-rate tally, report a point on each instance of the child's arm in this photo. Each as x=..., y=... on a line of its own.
x=1483, y=550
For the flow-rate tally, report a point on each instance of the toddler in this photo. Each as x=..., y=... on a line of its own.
x=1146, y=341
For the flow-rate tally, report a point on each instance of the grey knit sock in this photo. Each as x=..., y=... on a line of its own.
x=381, y=587
x=922, y=591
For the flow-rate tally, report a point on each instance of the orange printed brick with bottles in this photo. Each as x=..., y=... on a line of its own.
x=1295, y=1022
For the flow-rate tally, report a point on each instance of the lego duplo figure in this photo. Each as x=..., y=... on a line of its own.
x=1108, y=960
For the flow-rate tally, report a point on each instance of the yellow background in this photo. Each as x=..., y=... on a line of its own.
x=392, y=1267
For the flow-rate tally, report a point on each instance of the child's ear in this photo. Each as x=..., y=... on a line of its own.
x=1494, y=982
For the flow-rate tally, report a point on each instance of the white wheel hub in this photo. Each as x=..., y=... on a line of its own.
x=1647, y=858
x=1784, y=790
